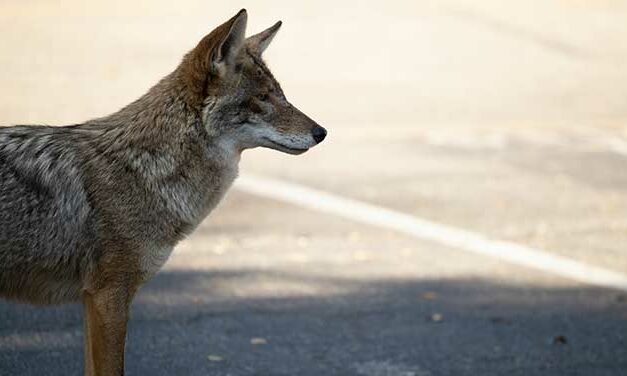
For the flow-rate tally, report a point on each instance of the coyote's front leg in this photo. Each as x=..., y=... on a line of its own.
x=106, y=315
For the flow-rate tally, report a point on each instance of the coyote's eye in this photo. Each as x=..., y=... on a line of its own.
x=263, y=97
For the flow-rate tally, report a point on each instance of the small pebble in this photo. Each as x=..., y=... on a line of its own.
x=258, y=341
x=560, y=340
x=436, y=317
x=429, y=295
x=215, y=358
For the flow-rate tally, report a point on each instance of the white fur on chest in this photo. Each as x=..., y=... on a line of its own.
x=152, y=261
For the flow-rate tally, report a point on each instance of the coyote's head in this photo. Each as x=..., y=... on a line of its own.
x=241, y=101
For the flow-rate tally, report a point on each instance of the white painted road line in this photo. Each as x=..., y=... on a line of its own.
x=423, y=229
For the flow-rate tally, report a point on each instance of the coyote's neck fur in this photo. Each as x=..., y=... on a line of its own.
x=162, y=139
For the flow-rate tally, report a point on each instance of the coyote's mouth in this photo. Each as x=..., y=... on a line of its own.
x=285, y=148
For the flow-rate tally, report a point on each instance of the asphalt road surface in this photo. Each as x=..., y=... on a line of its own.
x=508, y=119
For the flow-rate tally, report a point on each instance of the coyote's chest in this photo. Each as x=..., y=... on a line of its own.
x=188, y=201
x=153, y=260
x=188, y=190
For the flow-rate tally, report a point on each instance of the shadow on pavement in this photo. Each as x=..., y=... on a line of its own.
x=254, y=322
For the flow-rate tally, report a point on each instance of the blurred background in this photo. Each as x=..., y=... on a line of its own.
x=506, y=118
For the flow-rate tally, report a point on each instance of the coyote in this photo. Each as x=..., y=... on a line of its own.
x=90, y=212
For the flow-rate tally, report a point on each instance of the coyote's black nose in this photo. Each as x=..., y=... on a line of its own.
x=319, y=134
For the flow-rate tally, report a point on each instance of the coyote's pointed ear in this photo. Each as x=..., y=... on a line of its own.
x=230, y=39
x=259, y=42
x=217, y=50
x=214, y=56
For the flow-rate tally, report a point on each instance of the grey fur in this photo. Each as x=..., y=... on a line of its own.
x=106, y=201
x=43, y=205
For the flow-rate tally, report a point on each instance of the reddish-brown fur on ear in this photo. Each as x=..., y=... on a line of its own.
x=196, y=69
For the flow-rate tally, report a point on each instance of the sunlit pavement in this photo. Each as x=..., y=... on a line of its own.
x=505, y=118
